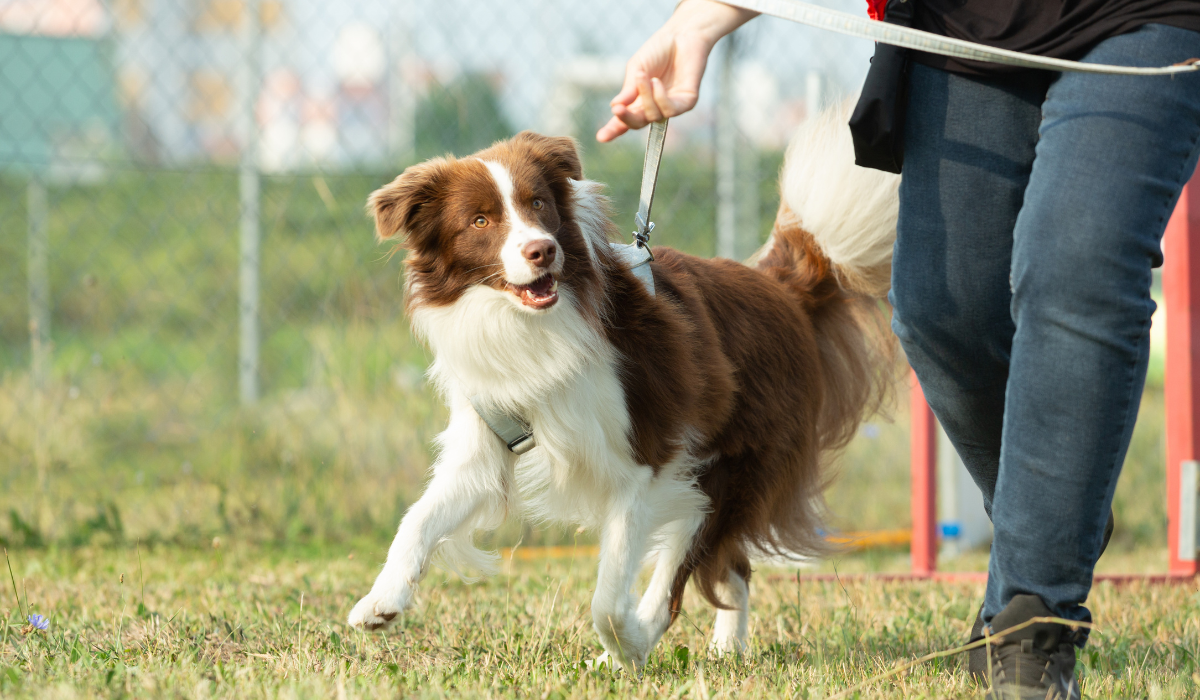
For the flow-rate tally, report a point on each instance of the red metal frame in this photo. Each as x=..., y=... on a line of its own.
x=923, y=547
x=1181, y=292
x=969, y=577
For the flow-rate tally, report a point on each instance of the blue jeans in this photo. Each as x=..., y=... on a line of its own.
x=1031, y=212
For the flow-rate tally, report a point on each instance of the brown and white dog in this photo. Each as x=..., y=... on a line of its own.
x=690, y=424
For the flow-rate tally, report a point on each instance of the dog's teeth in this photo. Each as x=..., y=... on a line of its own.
x=554, y=286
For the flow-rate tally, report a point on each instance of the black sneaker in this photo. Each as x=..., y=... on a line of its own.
x=977, y=658
x=1036, y=662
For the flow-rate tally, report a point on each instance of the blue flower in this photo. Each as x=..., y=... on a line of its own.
x=39, y=622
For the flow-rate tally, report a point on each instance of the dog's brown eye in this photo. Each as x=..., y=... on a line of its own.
x=480, y=222
x=537, y=204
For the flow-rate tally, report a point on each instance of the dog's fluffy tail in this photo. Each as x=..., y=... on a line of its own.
x=832, y=244
x=848, y=211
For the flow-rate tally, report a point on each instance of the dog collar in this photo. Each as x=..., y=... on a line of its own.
x=513, y=430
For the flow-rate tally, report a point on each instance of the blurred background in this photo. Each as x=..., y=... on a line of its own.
x=200, y=338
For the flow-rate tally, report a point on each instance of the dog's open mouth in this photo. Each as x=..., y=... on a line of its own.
x=538, y=294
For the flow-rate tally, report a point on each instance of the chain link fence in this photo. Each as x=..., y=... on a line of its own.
x=198, y=334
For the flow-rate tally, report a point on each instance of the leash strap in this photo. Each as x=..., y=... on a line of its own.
x=909, y=38
x=637, y=255
x=515, y=432
x=654, y=151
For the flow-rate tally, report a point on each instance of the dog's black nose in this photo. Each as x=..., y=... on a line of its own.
x=540, y=252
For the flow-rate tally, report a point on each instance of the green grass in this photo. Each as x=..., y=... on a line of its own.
x=246, y=621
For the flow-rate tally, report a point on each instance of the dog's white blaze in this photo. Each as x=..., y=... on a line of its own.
x=517, y=269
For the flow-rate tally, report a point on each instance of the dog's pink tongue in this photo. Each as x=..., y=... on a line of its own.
x=541, y=287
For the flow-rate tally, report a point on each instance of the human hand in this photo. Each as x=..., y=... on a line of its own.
x=663, y=78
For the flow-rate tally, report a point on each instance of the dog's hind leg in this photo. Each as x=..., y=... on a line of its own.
x=731, y=629
x=661, y=601
x=469, y=489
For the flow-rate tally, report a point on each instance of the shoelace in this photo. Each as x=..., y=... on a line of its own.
x=1025, y=665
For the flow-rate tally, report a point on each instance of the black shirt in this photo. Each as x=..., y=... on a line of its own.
x=1056, y=28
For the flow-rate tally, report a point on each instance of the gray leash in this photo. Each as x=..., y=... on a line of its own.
x=514, y=430
x=654, y=150
x=909, y=38
x=637, y=255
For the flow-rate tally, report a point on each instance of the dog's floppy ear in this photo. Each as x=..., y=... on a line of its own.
x=559, y=155
x=403, y=206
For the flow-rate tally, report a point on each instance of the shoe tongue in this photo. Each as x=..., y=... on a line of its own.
x=1043, y=635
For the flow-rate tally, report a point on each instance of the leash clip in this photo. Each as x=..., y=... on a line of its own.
x=641, y=237
x=512, y=429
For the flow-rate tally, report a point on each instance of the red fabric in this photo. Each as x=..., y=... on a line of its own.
x=875, y=9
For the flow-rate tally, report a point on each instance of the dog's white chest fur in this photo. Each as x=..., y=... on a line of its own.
x=557, y=372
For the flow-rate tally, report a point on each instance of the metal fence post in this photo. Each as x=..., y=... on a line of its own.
x=402, y=101
x=250, y=197
x=749, y=214
x=39, y=281
x=1181, y=296
x=813, y=93
x=37, y=213
x=726, y=143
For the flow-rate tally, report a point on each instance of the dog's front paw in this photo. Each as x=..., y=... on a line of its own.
x=602, y=661
x=624, y=642
x=375, y=612
x=728, y=644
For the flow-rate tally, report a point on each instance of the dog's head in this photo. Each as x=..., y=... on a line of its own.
x=502, y=218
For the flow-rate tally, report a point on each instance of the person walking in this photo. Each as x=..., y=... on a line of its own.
x=1032, y=208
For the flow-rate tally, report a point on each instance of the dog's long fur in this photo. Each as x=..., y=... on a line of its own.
x=692, y=423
